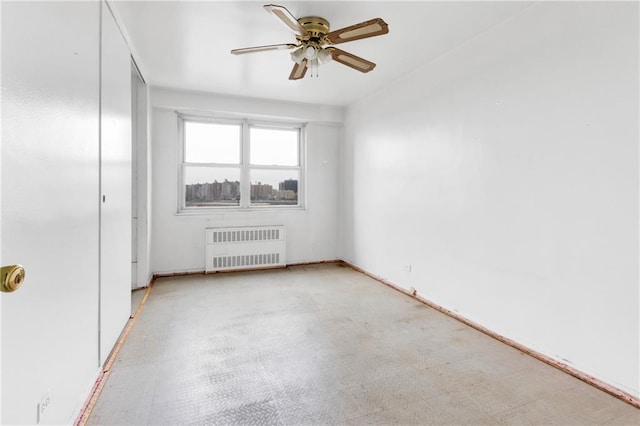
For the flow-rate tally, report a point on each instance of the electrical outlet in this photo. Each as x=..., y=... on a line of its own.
x=44, y=403
x=407, y=268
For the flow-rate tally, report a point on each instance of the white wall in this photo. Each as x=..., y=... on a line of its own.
x=506, y=174
x=178, y=239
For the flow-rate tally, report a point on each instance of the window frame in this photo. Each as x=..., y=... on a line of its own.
x=244, y=165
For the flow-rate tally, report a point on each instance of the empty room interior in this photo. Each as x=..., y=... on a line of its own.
x=320, y=212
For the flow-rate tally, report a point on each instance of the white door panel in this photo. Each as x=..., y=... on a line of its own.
x=115, y=228
x=50, y=184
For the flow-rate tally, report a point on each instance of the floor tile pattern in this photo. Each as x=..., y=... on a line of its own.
x=324, y=344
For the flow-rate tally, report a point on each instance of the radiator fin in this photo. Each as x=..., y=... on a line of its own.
x=241, y=261
x=244, y=235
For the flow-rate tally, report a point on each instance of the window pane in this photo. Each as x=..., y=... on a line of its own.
x=274, y=147
x=274, y=187
x=211, y=143
x=211, y=186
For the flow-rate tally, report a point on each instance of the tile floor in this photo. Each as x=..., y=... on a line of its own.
x=326, y=345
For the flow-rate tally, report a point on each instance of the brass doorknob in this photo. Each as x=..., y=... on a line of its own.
x=11, y=278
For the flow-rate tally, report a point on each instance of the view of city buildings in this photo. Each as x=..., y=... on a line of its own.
x=228, y=193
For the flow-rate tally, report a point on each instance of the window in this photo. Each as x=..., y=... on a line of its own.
x=237, y=163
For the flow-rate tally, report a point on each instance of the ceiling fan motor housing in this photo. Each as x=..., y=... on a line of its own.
x=316, y=27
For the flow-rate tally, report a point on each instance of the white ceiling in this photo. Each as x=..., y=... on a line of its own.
x=186, y=44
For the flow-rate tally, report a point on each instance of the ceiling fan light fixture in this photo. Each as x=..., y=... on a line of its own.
x=324, y=56
x=298, y=55
x=310, y=52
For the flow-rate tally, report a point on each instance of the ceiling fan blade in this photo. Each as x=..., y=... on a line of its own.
x=287, y=18
x=351, y=60
x=263, y=48
x=372, y=28
x=299, y=70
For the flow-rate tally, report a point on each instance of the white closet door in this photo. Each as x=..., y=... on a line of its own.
x=115, y=182
x=50, y=188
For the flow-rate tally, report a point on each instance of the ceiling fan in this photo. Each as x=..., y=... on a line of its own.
x=315, y=42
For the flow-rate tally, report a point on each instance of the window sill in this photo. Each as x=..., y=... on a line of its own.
x=235, y=210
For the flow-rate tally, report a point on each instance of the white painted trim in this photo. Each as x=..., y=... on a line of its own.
x=135, y=56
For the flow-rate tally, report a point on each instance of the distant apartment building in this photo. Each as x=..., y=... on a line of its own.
x=229, y=192
x=212, y=192
x=260, y=191
x=289, y=185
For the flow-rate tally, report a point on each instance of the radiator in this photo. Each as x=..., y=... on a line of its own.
x=244, y=248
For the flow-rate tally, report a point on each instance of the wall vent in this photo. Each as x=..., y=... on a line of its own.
x=244, y=248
